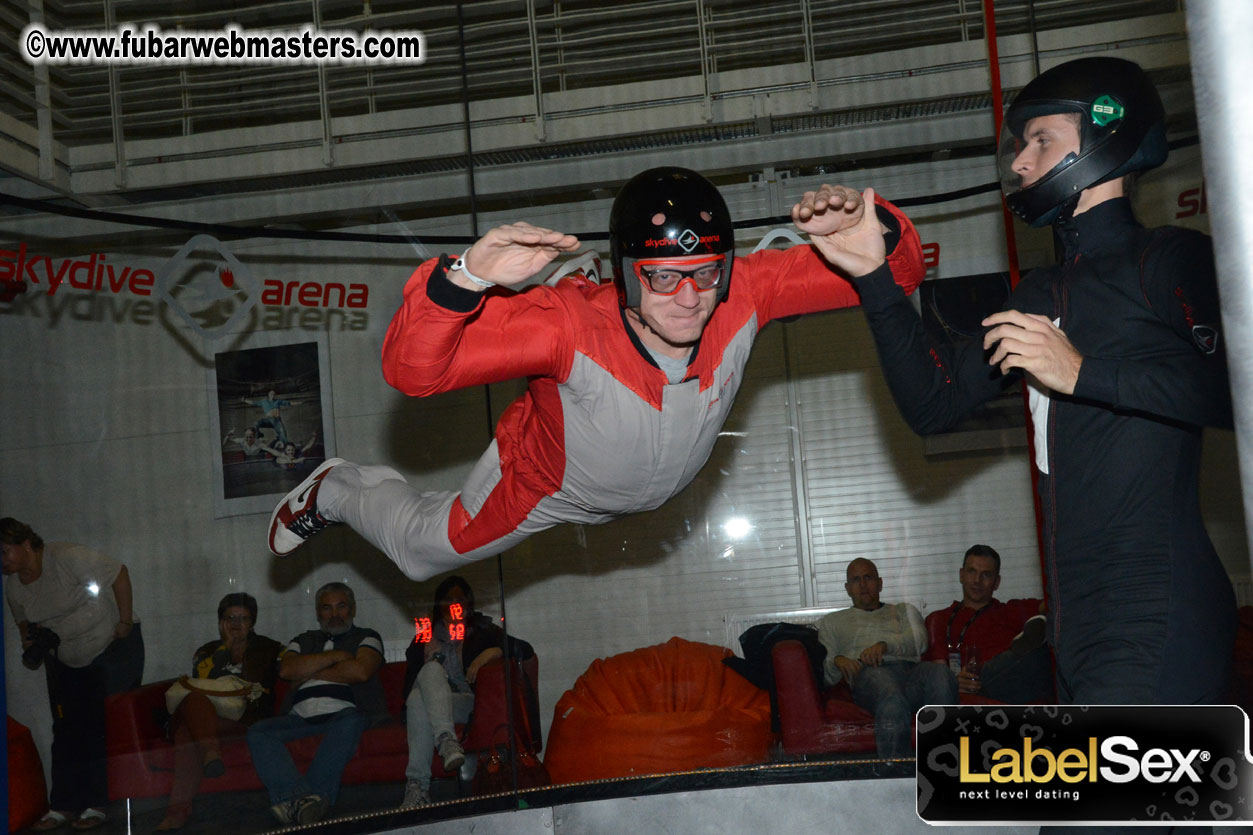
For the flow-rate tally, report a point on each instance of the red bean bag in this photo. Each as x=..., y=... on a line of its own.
x=665, y=708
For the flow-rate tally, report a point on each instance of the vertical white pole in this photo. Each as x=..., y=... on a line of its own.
x=1222, y=64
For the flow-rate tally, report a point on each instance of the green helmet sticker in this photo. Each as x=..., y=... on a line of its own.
x=1106, y=110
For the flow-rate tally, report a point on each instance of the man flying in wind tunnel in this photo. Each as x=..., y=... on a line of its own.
x=629, y=383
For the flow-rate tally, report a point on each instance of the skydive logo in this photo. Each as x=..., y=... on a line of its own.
x=207, y=286
x=687, y=241
x=994, y=764
x=203, y=283
x=92, y=273
x=1206, y=338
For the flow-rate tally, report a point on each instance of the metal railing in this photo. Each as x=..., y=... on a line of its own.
x=515, y=48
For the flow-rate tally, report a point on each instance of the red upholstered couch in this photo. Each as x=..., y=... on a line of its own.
x=141, y=758
x=28, y=793
x=822, y=721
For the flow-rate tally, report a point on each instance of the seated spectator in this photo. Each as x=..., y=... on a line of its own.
x=975, y=638
x=443, y=662
x=337, y=693
x=876, y=648
x=241, y=652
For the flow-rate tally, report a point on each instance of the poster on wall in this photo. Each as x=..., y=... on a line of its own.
x=272, y=426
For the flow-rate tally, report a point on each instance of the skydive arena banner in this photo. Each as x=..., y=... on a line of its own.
x=1084, y=765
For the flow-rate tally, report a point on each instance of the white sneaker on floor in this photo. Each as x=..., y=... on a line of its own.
x=451, y=752
x=415, y=795
x=310, y=809
x=296, y=517
x=282, y=811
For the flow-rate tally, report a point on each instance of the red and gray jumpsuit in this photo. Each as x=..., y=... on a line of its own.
x=600, y=432
x=1141, y=609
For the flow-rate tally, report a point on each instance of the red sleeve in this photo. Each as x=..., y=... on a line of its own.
x=431, y=347
x=937, y=642
x=905, y=260
x=798, y=280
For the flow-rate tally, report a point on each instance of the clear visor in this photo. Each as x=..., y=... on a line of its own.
x=1007, y=150
x=1045, y=148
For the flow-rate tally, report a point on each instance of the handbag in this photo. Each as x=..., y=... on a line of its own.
x=494, y=775
x=229, y=695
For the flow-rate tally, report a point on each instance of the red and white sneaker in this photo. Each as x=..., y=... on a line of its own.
x=296, y=517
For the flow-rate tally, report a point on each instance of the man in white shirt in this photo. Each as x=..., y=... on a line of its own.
x=73, y=611
x=875, y=647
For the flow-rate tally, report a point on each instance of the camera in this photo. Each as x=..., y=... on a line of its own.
x=43, y=641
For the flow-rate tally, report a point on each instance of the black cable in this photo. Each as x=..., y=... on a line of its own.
x=224, y=231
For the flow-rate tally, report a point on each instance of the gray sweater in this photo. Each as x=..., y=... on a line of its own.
x=849, y=631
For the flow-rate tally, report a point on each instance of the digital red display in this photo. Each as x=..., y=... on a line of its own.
x=456, y=630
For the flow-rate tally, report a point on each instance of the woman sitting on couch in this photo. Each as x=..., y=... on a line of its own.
x=196, y=723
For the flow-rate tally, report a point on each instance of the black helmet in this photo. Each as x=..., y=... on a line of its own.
x=665, y=213
x=1122, y=129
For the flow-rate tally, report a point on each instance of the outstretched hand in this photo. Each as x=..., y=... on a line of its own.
x=1033, y=343
x=849, y=237
x=510, y=254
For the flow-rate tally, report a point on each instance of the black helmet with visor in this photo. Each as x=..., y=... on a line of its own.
x=1121, y=129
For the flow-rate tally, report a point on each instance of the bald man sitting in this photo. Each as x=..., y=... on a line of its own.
x=876, y=648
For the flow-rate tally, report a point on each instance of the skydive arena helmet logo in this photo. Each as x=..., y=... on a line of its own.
x=1089, y=765
x=207, y=286
x=686, y=241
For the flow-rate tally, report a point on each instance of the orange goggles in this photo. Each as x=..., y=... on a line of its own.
x=665, y=277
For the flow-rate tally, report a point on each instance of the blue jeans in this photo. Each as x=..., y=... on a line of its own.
x=430, y=712
x=275, y=423
x=893, y=692
x=267, y=742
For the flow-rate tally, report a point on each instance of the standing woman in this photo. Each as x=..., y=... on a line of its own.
x=197, y=726
x=73, y=610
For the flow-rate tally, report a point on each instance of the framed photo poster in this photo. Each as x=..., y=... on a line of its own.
x=270, y=407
